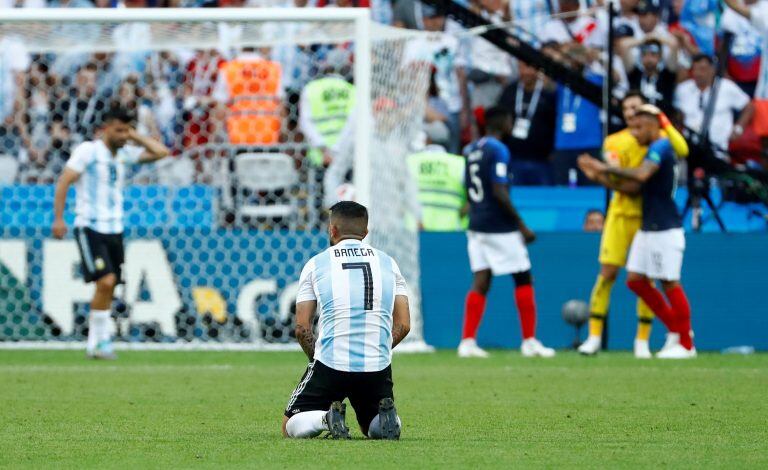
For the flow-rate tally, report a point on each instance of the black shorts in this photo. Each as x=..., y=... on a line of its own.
x=101, y=253
x=320, y=386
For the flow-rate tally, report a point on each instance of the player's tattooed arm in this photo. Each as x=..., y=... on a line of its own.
x=401, y=320
x=305, y=312
x=306, y=339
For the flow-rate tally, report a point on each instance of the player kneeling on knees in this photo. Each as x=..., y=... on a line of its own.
x=362, y=304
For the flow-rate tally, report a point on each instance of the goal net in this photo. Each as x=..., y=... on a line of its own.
x=271, y=115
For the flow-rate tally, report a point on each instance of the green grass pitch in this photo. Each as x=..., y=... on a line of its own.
x=214, y=410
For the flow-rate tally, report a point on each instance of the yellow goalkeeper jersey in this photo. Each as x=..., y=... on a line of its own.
x=623, y=150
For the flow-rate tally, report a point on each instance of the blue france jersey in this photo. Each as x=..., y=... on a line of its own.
x=659, y=208
x=355, y=288
x=487, y=163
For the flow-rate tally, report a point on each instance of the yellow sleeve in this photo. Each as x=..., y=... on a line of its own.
x=679, y=145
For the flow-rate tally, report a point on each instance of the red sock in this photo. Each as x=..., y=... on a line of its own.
x=682, y=309
x=655, y=300
x=473, y=313
x=526, y=309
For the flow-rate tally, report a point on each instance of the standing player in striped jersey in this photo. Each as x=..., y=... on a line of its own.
x=97, y=169
x=496, y=238
x=363, y=313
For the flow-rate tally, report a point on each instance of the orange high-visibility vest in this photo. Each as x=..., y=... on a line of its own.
x=254, y=110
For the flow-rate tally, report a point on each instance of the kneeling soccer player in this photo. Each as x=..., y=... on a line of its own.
x=363, y=313
x=657, y=249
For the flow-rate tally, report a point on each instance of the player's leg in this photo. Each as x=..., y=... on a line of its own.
x=525, y=300
x=97, y=267
x=640, y=265
x=644, y=323
x=599, y=302
x=372, y=397
x=474, y=305
x=315, y=405
x=669, y=249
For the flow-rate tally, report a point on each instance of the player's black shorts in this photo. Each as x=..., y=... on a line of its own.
x=101, y=253
x=320, y=386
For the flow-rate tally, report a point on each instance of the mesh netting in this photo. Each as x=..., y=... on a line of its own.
x=216, y=236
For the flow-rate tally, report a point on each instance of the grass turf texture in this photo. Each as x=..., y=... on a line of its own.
x=182, y=409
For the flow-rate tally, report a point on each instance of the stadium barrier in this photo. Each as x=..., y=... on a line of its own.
x=564, y=268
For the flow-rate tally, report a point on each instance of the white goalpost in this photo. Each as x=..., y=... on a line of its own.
x=212, y=255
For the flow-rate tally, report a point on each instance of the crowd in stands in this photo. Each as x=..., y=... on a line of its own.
x=193, y=99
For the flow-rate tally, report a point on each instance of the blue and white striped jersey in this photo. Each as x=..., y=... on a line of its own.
x=355, y=288
x=99, y=191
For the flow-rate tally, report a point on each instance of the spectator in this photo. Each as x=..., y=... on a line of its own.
x=440, y=51
x=652, y=77
x=651, y=27
x=746, y=48
x=594, y=221
x=578, y=126
x=534, y=109
x=14, y=63
x=698, y=17
x=22, y=4
x=530, y=16
x=573, y=27
x=250, y=85
x=200, y=75
x=84, y=106
x=692, y=99
x=488, y=67
x=437, y=108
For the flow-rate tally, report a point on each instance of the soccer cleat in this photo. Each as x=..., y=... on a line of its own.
x=642, y=349
x=390, y=425
x=591, y=346
x=673, y=339
x=676, y=351
x=532, y=347
x=103, y=351
x=469, y=348
x=335, y=419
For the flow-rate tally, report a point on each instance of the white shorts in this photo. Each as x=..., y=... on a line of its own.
x=502, y=253
x=658, y=255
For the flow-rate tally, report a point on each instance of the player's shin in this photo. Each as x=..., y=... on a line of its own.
x=526, y=309
x=644, y=321
x=598, y=305
x=99, y=329
x=307, y=424
x=682, y=309
x=473, y=313
x=655, y=300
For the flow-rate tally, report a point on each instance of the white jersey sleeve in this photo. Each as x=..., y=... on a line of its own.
x=306, y=290
x=758, y=16
x=83, y=155
x=401, y=288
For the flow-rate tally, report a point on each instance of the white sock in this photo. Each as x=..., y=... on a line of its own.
x=100, y=328
x=374, y=430
x=306, y=424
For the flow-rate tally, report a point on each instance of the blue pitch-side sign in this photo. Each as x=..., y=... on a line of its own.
x=241, y=277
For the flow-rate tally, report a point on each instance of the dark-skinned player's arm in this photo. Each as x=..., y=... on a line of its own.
x=640, y=174
x=305, y=313
x=153, y=150
x=401, y=319
x=501, y=193
x=595, y=170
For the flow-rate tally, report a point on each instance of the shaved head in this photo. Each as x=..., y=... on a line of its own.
x=348, y=220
